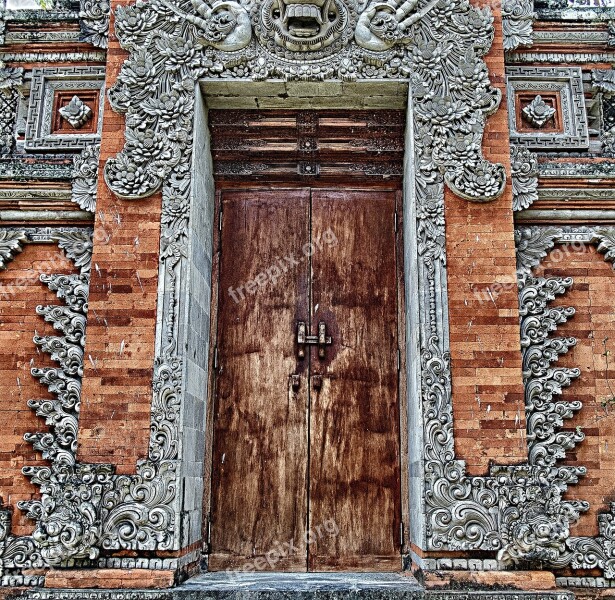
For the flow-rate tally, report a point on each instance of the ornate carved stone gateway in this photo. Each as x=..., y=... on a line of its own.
x=520, y=513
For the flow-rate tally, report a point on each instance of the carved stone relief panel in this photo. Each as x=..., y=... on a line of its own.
x=10, y=80
x=546, y=107
x=65, y=108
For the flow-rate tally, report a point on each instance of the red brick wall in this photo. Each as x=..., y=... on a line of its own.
x=117, y=384
x=20, y=293
x=488, y=401
x=592, y=296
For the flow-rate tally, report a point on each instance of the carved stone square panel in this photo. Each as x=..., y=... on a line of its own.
x=533, y=94
x=65, y=108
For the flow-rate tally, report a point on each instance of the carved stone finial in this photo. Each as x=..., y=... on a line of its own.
x=538, y=112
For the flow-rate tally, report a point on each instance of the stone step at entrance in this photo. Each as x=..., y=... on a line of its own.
x=298, y=586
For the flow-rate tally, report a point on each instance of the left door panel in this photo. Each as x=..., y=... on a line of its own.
x=260, y=414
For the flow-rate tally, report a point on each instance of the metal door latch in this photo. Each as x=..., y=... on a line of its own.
x=322, y=339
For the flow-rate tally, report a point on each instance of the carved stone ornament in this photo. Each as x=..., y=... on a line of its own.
x=515, y=511
x=517, y=23
x=538, y=112
x=534, y=243
x=11, y=241
x=85, y=178
x=76, y=112
x=10, y=80
x=94, y=22
x=82, y=507
x=436, y=45
x=524, y=168
x=603, y=80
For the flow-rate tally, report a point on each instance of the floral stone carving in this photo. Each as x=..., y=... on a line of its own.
x=85, y=178
x=437, y=46
x=524, y=167
x=11, y=241
x=76, y=112
x=94, y=22
x=538, y=112
x=517, y=23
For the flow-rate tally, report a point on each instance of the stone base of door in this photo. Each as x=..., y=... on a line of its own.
x=305, y=586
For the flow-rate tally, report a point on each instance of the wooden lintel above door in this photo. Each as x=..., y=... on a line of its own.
x=307, y=147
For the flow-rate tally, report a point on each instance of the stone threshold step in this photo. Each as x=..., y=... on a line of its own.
x=297, y=586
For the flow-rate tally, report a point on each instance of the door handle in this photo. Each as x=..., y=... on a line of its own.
x=295, y=381
x=317, y=382
x=322, y=339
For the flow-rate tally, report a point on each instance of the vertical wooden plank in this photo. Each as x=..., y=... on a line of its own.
x=354, y=419
x=259, y=468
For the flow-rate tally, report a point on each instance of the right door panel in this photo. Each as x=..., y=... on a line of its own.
x=354, y=418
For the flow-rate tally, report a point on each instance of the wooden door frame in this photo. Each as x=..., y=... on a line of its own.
x=401, y=342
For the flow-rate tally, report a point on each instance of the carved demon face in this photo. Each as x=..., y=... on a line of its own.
x=304, y=25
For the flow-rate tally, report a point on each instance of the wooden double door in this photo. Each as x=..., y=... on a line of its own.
x=305, y=458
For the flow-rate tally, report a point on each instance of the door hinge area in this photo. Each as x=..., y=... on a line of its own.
x=401, y=534
x=220, y=219
x=395, y=221
x=216, y=358
x=398, y=359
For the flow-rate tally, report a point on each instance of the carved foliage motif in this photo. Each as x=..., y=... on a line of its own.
x=11, y=241
x=518, y=510
x=517, y=21
x=538, y=112
x=85, y=507
x=94, y=22
x=524, y=167
x=535, y=242
x=171, y=47
x=85, y=178
x=603, y=81
x=76, y=112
